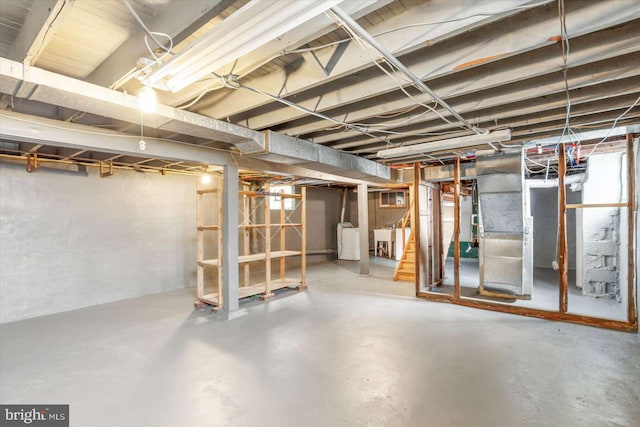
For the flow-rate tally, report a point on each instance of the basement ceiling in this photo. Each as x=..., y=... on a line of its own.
x=540, y=68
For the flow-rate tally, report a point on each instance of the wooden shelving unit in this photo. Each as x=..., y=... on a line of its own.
x=267, y=230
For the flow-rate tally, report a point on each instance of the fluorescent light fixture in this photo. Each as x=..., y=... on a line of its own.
x=446, y=144
x=245, y=30
x=147, y=100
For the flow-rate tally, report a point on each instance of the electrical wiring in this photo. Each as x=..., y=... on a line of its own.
x=310, y=49
x=142, y=24
x=368, y=49
x=383, y=128
x=303, y=109
x=565, y=58
x=148, y=35
x=615, y=122
x=231, y=82
x=167, y=51
x=365, y=46
x=421, y=24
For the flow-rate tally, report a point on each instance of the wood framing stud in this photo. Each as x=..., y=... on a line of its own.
x=106, y=172
x=456, y=229
x=563, y=262
x=415, y=223
x=632, y=315
x=32, y=162
x=532, y=312
x=303, y=244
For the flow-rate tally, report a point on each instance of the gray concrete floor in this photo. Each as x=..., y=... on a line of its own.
x=543, y=296
x=330, y=356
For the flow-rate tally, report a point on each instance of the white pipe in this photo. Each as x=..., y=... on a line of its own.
x=446, y=144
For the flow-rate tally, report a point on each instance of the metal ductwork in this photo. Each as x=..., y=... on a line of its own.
x=505, y=235
x=22, y=81
x=294, y=151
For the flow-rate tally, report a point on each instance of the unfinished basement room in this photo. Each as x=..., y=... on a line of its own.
x=319, y=213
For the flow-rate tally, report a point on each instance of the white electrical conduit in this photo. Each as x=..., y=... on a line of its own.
x=343, y=19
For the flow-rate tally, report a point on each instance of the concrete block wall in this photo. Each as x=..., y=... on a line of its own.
x=602, y=254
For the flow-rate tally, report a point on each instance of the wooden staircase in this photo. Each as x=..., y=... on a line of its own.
x=406, y=267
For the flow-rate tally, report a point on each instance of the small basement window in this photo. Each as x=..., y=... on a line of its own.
x=276, y=201
x=393, y=199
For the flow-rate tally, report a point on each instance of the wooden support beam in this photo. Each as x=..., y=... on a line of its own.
x=533, y=312
x=303, y=221
x=112, y=158
x=563, y=262
x=283, y=218
x=246, y=240
x=632, y=315
x=415, y=223
x=596, y=205
x=200, y=243
x=456, y=229
x=76, y=154
x=32, y=162
x=267, y=245
x=106, y=172
x=141, y=162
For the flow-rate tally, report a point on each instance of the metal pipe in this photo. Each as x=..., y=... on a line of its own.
x=347, y=21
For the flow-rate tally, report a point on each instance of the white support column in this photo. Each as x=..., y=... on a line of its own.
x=363, y=227
x=230, y=275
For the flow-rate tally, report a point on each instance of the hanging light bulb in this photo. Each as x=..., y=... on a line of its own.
x=206, y=179
x=147, y=100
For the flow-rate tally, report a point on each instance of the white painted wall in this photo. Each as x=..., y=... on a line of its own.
x=466, y=207
x=602, y=264
x=71, y=240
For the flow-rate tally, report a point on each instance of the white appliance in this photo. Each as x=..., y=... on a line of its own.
x=348, y=242
x=399, y=245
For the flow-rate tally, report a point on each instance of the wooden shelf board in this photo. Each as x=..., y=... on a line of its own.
x=276, y=284
x=207, y=191
x=248, y=291
x=209, y=263
x=252, y=257
x=208, y=227
x=256, y=194
x=289, y=224
x=211, y=299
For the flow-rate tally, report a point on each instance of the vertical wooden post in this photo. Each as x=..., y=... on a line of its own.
x=267, y=243
x=456, y=229
x=303, y=244
x=563, y=275
x=246, y=235
x=415, y=224
x=219, y=236
x=282, y=234
x=441, y=254
x=200, y=240
x=631, y=179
